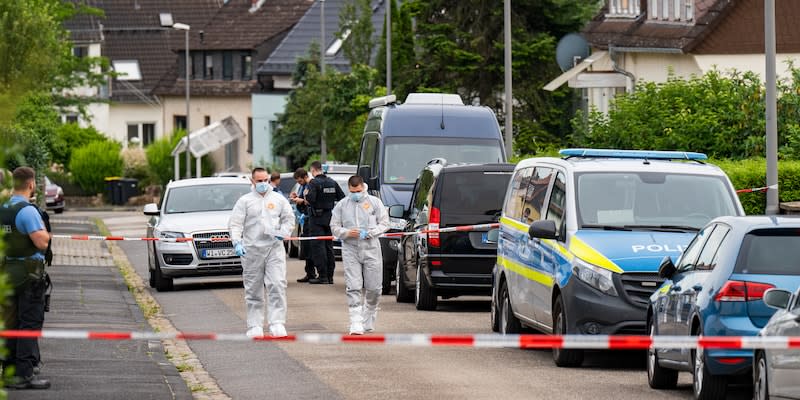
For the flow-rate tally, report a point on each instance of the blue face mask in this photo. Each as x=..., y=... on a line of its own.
x=263, y=187
x=357, y=196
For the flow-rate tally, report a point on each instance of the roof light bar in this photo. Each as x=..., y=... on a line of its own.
x=382, y=101
x=648, y=154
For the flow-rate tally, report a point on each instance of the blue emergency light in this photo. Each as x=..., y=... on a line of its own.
x=645, y=154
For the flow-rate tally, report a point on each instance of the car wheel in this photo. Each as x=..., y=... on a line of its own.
x=509, y=323
x=402, y=294
x=424, y=295
x=150, y=272
x=59, y=210
x=294, y=249
x=760, y=382
x=705, y=385
x=563, y=358
x=386, y=289
x=495, y=311
x=658, y=377
x=161, y=282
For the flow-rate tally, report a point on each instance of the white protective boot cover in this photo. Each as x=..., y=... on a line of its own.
x=370, y=315
x=356, y=324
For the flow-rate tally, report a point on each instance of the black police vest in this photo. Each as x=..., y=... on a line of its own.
x=17, y=244
x=326, y=198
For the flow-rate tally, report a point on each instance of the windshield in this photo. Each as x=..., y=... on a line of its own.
x=405, y=157
x=651, y=200
x=204, y=198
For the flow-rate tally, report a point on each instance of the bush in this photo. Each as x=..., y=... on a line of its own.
x=162, y=164
x=752, y=173
x=92, y=163
x=134, y=161
x=70, y=137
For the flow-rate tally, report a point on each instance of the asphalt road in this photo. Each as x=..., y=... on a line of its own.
x=303, y=371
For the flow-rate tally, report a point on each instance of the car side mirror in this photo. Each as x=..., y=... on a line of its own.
x=667, y=268
x=151, y=209
x=493, y=236
x=777, y=298
x=543, y=229
x=397, y=211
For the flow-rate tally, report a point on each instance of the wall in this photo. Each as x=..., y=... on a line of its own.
x=121, y=114
x=265, y=108
x=747, y=62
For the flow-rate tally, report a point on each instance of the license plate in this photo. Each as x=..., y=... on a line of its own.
x=50, y=199
x=485, y=237
x=217, y=253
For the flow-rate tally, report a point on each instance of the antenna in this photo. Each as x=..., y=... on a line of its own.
x=441, y=124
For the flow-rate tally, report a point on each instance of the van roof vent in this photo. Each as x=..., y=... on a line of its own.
x=434, y=98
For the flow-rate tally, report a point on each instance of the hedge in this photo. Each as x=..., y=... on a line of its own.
x=751, y=173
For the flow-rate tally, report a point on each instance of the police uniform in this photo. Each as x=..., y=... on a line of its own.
x=305, y=245
x=321, y=195
x=24, y=264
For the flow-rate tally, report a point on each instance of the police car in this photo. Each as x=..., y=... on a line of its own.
x=582, y=236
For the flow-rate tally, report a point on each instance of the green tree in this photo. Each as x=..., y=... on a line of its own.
x=355, y=31
x=92, y=163
x=69, y=137
x=162, y=163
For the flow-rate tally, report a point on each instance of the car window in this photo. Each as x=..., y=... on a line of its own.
x=369, y=152
x=708, y=257
x=516, y=195
x=202, y=198
x=689, y=256
x=770, y=251
x=473, y=193
x=558, y=199
x=534, y=196
x=405, y=156
x=422, y=195
x=649, y=199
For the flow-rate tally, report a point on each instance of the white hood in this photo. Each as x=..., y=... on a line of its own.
x=189, y=223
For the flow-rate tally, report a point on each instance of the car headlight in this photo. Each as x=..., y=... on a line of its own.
x=596, y=277
x=168, y=235
x=397, y=223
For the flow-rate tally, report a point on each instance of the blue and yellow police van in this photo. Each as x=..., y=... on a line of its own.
x=582, y=236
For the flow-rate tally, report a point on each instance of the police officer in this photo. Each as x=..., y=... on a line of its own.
x=303, y=220
x=26, y=239
x=321, y=195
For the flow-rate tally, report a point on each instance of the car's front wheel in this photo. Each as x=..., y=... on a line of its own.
x=563, y=358
x=162, y=283
x=760, y=383
x=658, y=377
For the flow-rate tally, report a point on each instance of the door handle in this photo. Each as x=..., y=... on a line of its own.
x=697, y=287
x=675, y=289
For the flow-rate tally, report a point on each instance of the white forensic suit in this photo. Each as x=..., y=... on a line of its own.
x=255, y=222
x=362, y=259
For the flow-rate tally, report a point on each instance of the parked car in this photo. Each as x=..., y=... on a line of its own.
x=399, y=139
x=54, y=196
x=716, y=289
x=449, y=264
x=233, y=174
x=775, y=372
x=581, y=238
x=193, y=208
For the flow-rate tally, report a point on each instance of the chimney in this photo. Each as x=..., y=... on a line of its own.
x=255, y=5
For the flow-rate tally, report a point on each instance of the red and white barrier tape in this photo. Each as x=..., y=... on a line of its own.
x=758, y=189
x=588, y=342
x=464, y=228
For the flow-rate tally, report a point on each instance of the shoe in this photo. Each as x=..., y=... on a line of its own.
x=330, y=281
x=318, y=281
x=277, y=330
x=30, y=383
x=356, y=328
x=255, y=331
x=305, y=279
x=37, y=369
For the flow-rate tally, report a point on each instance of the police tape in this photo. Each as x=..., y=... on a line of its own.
x=223, y=238
x=522, y=341
x=758, y=189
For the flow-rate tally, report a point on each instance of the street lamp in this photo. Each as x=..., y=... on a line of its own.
x=323, y=145
x=509, y=127
x=186, y=28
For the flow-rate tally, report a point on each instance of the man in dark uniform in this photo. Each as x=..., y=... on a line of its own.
x=303, y=220
x=321, y=195
x=26, y=241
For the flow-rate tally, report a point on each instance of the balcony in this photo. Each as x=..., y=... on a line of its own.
x=670, y=10
x=624, y=8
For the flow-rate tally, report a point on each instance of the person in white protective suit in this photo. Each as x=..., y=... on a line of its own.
x=259, y=222
x=358, y=220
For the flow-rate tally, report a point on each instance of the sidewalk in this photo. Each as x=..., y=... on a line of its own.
x=90, y=294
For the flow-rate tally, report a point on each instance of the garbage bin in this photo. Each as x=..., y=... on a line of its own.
x=113, y=192
x=128, y=187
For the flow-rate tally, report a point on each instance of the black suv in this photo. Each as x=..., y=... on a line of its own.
x=450, y=264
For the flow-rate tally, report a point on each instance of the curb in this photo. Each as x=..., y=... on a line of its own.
x=183, y=360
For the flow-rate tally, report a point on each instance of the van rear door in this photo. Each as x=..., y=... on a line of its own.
x=469, y=198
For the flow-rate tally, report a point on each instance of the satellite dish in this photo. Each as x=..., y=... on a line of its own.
x=571, y=49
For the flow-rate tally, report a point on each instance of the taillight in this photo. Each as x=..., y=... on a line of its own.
x=433, y=224
x=742, y=291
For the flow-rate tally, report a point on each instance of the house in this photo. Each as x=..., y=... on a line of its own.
x=276, y=70
x=647, y=40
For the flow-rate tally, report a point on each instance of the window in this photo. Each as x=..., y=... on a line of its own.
x=403, y=156
x=208, y=66
x=670, y=10
x=689, y=256
x=227, y=65
x=369, y=149
x=516, y=195
x=80, y=51
x=423, y=192
x=623, y=8
x=206, y=120
x=71, y=119
x=558, y=200
x=708, y=257
x=127, y=70
x=247, y=67
x=250, y=135
x=535, y=193
x=133, y=133
x=773, y=251
x=148, y=134
x=141, y=133
x=459, y=196
x=231, y=154
x=180, y=122
x=197, y=65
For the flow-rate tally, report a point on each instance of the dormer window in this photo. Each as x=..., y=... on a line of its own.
x=624, y=8
x=670, y=10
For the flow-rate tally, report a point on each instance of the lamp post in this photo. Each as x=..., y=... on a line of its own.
x=323, y=145
x=509, y=127
x=389, y=47
x=186, y=28
x=773, y=206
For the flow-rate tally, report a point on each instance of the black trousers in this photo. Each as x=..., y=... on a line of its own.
x=305, y=249
x=25, y=311
x=322, y=250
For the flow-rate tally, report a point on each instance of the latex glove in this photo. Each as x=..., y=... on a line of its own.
x=363, y=234
x=301, y=219
x=239, y=249
x=280, y=238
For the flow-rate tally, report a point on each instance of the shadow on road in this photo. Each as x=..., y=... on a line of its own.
x=183, y=286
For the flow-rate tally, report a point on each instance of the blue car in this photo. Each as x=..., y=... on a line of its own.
x=716, y=289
